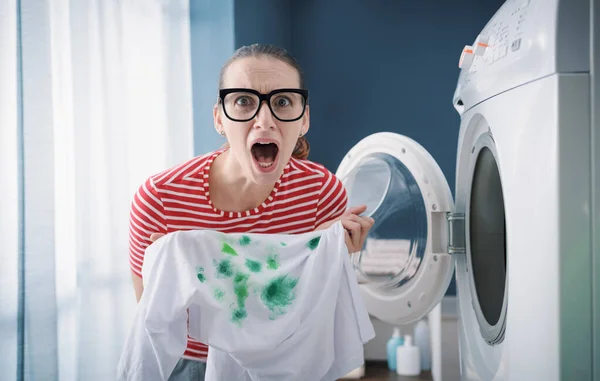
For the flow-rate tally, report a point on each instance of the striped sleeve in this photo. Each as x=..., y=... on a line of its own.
x=146, y=217
x=333, y=200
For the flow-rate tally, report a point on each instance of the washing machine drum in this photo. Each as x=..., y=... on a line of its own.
x=405, y=264
x=396, y=245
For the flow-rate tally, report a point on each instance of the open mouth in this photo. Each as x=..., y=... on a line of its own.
x=265, y=154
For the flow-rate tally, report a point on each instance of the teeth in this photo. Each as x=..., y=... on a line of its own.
x=265, y=165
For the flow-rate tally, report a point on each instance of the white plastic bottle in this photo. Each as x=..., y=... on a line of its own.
x=408, y=358
x=422, y=341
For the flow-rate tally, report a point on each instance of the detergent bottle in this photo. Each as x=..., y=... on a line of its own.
x=393, y=343
x=408, y=361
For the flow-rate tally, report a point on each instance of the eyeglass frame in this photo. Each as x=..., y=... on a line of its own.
x=263, y=98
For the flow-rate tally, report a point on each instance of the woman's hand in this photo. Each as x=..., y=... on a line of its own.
x=357, y=227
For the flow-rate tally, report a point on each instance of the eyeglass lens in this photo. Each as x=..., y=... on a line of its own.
x=242, y=105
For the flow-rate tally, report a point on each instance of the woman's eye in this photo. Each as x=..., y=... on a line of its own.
x=282, y=102
x=243, y=101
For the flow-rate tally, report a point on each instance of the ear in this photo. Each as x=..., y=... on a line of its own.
x=305, y=121
x=218, y=118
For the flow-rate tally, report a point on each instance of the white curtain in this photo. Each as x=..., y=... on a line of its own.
x=9, y=192
x=97, y=98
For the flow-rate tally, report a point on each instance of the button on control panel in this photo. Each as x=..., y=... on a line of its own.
x=481, y=44
x=466, y=57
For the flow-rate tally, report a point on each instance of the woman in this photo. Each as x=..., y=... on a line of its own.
x=260, y=182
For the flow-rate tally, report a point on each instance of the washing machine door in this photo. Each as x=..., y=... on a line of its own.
x=405, y=266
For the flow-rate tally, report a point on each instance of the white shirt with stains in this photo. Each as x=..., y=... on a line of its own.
x=270, y=307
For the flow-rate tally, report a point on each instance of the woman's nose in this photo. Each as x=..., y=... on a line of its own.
x=264, y=118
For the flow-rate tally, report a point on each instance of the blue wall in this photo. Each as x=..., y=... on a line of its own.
x=371, y=66
x=264, y=21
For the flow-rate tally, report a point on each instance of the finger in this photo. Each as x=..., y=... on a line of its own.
x=357, y=209
x=353, y=229
x=365, y=222
x=155, y=236
x=349, y=244
x=365, y=226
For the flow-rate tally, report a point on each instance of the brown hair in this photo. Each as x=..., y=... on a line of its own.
x=265, y=50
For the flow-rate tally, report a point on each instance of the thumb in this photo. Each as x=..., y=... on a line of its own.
x=357, y=209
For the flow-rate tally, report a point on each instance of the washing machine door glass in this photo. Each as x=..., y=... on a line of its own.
x=396, y=245
x=404, y=266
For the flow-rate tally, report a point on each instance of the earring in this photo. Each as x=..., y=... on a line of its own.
x=222, y=133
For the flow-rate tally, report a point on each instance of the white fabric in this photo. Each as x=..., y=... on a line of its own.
x=104, y=88
x=316, y=334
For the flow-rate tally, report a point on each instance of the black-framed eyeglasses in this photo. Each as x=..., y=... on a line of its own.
x=242, y=105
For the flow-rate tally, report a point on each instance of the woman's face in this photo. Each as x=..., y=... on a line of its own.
x=264, y=144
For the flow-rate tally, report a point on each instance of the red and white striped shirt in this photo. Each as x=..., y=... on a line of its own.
x=304, y=197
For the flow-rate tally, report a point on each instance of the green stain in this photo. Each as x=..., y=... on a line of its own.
x=272, y=262
x=241, y=292
x=218, y=294
x=253, y=266
x=240, y=288
x=240, y=277
x=283, y=244
x=238, y=315
x=200, y=274
x=313, y=243
x=225, y=268
x=228, y=249
x=279, y=294
x=245, y=240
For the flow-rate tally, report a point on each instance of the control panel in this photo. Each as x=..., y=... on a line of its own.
x=524, y=41
x=500, y=38
x=517, y=46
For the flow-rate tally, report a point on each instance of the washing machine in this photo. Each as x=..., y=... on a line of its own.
x=521, y=233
